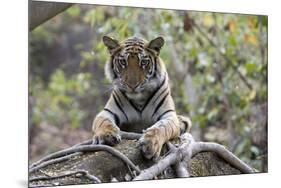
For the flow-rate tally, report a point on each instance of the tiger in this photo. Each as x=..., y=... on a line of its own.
x=141, y=99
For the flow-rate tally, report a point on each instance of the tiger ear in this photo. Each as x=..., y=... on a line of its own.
x=156, y=44
x=110, y=43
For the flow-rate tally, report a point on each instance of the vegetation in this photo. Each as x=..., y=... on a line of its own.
x=217, y=64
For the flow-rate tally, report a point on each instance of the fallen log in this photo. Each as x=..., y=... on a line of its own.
x=99, y=165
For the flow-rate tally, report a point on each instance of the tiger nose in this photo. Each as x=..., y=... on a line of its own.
x=133, y=85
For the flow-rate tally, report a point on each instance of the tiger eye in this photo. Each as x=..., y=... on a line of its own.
x=122, y=62
x=145, y=62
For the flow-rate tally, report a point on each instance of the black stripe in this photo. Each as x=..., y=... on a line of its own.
x=164, y=113
x=112, y=68
x=160, y=104
x=102, y=122
x=116, y=118
x=118, y=98
x=131, y=103
x=134, y=106
x=160, y=95
x=146, y=103
x=115, y=51
x=120, y=108
x=152, y=67
x=153, y=52
x=156, y=66
x=154, y=92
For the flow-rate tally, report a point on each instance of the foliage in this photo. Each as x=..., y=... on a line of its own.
x=217, y=65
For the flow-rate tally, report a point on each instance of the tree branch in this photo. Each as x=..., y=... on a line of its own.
x=130, y=135
x=172, y=158
x=87, y=148
x=180, y=167
x=185, y=152
x=52, y=161
x=223, y=153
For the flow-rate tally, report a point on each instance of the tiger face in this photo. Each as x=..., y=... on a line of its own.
x=133, y=71
x=134, y=65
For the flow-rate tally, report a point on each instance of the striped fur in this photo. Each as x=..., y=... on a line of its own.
x=141, y=100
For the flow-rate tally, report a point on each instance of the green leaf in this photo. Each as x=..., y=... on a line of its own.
x=212, y=113
x=251, y=67
x=74, y=11
x=232, y=40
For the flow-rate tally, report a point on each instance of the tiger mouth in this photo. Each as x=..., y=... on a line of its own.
x=132, y=91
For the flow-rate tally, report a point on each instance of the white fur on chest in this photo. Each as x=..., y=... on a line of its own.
x=139, y=98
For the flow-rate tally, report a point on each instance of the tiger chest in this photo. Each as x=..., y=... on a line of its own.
x=137, y=122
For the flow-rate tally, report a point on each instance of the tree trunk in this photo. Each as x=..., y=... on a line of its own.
x=39, y=12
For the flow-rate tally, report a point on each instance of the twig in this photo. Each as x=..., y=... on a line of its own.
x=86, y=142
x=130, y=135
x=76, y=173
x=44, y=185
x=169, y=160
x=159, y=167
x=181, y=170
x=132, y=174
x=179, y=167
x=46, y=174
x=91, y=148
x=171, y=146
x=223, y=153
x=52, y=161
x=124, y=135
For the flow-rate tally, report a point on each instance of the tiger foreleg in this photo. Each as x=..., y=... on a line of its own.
x=156, y=136
x=105, y=131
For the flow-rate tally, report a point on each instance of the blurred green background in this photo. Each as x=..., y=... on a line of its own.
x=217, y=65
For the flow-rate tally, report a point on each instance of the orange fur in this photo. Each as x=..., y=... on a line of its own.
x=105, y=130
x=133, y=75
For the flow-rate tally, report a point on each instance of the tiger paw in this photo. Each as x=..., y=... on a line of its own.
x=108, y=134
x=107, y=139
x=151, y=144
